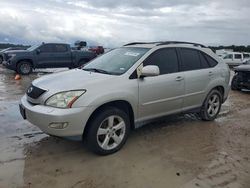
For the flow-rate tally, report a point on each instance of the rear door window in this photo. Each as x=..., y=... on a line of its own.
x=237, y=56
x=190, y=59
x=60, y=48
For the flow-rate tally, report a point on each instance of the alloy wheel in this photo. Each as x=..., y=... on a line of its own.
x=111, y=132
x=213, y=105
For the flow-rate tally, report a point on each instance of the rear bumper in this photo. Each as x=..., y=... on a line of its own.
x=42, y=116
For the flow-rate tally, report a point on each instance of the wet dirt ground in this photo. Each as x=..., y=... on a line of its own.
x=179, y=151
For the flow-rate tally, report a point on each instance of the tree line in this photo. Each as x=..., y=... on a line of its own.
x=8, y=45
x=233, y=47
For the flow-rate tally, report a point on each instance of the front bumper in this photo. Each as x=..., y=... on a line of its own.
x=8, y=64
x=42, y=116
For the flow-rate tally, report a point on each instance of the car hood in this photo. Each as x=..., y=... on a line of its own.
x=242, y=68
x=16, y=51
x=70, y=80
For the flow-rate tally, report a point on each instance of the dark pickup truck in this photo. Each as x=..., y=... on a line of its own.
x=46, y=55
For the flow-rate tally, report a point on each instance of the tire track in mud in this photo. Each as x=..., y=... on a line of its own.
x=223, y=172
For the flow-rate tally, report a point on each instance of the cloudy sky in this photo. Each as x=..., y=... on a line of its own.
x=113, y=22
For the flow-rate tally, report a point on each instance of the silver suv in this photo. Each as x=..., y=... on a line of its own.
x=125, y=88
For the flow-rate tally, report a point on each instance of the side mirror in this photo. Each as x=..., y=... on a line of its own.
x=150, y=70
x=38, y=51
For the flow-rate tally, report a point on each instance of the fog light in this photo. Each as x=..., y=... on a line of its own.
x=58, y=125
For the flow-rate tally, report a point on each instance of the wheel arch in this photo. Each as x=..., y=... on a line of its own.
x=28, y=60
x=120, y=104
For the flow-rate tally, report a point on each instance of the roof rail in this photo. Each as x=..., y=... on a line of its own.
x=159, y=43
x=180, y=42
x=134, y=43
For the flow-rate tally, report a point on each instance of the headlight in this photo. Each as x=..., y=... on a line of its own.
x=64, y=99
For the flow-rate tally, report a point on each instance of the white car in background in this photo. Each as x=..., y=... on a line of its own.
x=235, y=58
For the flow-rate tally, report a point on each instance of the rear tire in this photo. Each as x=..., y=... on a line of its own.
x=108, y=131
x=24, y=67
x=211, y=106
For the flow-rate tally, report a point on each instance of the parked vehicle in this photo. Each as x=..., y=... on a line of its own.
x=97, y=50
x=246, y=55
x=246, y=61
x=241, y=79
x=234, y=59
x=9, y=49
x=46, y=55
x=125, y=88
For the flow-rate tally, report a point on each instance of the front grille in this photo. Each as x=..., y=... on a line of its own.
x=34, y=92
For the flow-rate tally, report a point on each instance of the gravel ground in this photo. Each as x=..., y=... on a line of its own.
x=179, y=151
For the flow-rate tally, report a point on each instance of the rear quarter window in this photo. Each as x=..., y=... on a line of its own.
x=211, y=61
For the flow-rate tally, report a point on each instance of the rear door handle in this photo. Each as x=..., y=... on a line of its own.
x=179, y=78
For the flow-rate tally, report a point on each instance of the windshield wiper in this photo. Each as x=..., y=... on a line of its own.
x=97, y=70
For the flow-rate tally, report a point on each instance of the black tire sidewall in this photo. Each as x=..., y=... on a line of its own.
x=204, y=114
x=92, y=143
x=19, y=67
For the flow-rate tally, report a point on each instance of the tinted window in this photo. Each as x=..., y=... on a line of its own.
x=228, y=56
x=165, y=59
x=46, y=48
x=203, y=61
x=60, y=48
x=246, y=55
x=237, y=56
x=212, y=62
x=190, y=59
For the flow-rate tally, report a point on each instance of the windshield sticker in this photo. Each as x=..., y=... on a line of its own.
x=132, y=54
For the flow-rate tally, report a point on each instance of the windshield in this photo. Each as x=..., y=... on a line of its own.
x=117, y=61
x=33, y=47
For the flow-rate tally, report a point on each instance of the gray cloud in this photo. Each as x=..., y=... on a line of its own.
x=112, y=22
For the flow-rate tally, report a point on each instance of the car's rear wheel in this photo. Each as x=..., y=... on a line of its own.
x=234, y=85
x=24, y=67
x=108, y=131
x=211, y=106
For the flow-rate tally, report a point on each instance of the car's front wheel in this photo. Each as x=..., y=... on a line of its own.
x=24, y=67
x=108, y=131
x=211, y=106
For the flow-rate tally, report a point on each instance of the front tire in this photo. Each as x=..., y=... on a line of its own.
x=211, y=106
x=108, y=131
x=24, y=67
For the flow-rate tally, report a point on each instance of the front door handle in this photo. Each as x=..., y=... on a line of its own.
x=210, y=73
x=179, y=78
